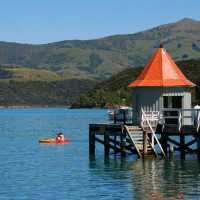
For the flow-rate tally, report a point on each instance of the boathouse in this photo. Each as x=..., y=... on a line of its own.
x=162, y=115
x=160, y=85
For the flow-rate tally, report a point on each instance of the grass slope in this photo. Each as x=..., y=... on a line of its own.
x=42, y=93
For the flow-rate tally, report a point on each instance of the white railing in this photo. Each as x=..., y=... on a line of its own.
x=198, y=120
x=146, y=119
x=153, y=118
x=183, y=116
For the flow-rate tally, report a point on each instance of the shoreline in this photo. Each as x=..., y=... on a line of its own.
x=66, y=107
x=37, y=106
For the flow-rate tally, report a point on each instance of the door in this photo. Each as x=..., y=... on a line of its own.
x=172, y=102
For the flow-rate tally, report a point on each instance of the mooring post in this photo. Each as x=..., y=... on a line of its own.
x=171, y=151
x=106, y=143
x=182, y=145
x=91, y=142
x=145, y=142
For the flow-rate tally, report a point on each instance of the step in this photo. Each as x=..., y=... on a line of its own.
x=134, y=140
x=136, y=133
x=137, y=143
x=133, y=128
x=137, y=138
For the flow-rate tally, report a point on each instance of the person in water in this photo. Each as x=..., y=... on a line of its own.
x=60, y=137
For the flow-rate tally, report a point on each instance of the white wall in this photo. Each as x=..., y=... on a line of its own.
x=151, y=98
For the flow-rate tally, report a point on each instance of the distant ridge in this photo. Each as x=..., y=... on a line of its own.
x=101, y=58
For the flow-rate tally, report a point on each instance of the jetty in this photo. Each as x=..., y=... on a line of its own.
x=163, y=118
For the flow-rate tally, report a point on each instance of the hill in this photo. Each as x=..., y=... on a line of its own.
x=42, y=93
x=115, y=90
x=101, y=58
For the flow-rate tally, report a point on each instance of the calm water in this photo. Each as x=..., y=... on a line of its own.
x=32, y=171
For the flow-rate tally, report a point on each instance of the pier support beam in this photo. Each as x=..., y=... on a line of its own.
x=115, y=144
x=182, y=146
x=91, y=142
x=164, y=138
x=123, y=144
x=106, y=144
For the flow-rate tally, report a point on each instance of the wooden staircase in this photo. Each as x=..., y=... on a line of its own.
x=135, y=137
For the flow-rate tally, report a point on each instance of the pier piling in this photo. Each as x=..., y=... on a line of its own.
x=182, y=145
x=91, y=142
x=106, y=144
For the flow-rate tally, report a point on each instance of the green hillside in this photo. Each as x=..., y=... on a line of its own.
x=27, y=74
x=20, y=86
x=101, y=58
x=115, y=90
x=42, y=93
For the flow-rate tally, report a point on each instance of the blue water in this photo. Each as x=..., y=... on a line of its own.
x=33, y=171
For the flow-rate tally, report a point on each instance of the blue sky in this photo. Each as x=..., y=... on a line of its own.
x=42, y=21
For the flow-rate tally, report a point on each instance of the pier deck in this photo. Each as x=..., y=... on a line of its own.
x=143, y=141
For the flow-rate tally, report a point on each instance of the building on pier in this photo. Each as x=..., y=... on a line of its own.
x=160, y=85
x=161, y=107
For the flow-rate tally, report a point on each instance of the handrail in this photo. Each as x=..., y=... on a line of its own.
x=192, y=113
x=198, y=120
x=153, y=133
x=178, y=109
x=179, y=121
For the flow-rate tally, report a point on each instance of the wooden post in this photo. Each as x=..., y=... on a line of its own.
x=123, y=144
x=145, y=142
x=171, y=151
x=182, y=145
x=115, y=144
x=91, y=142
x=106, y=143
x=164, y=138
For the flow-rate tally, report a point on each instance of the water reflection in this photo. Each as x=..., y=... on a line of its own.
x=153, y=179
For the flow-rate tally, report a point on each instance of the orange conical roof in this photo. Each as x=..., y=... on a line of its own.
x=161, y=71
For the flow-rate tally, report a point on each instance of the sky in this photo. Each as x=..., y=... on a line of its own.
x=44, y=21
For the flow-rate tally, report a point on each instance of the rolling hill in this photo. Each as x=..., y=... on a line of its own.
x=20, y=86
x=101, y=58
x=58, y=73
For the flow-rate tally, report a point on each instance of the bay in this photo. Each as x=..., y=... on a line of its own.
x=29, y=170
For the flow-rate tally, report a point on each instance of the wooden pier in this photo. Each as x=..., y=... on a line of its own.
x=156, y=136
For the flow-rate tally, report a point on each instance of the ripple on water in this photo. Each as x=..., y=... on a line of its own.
x=29, y=170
